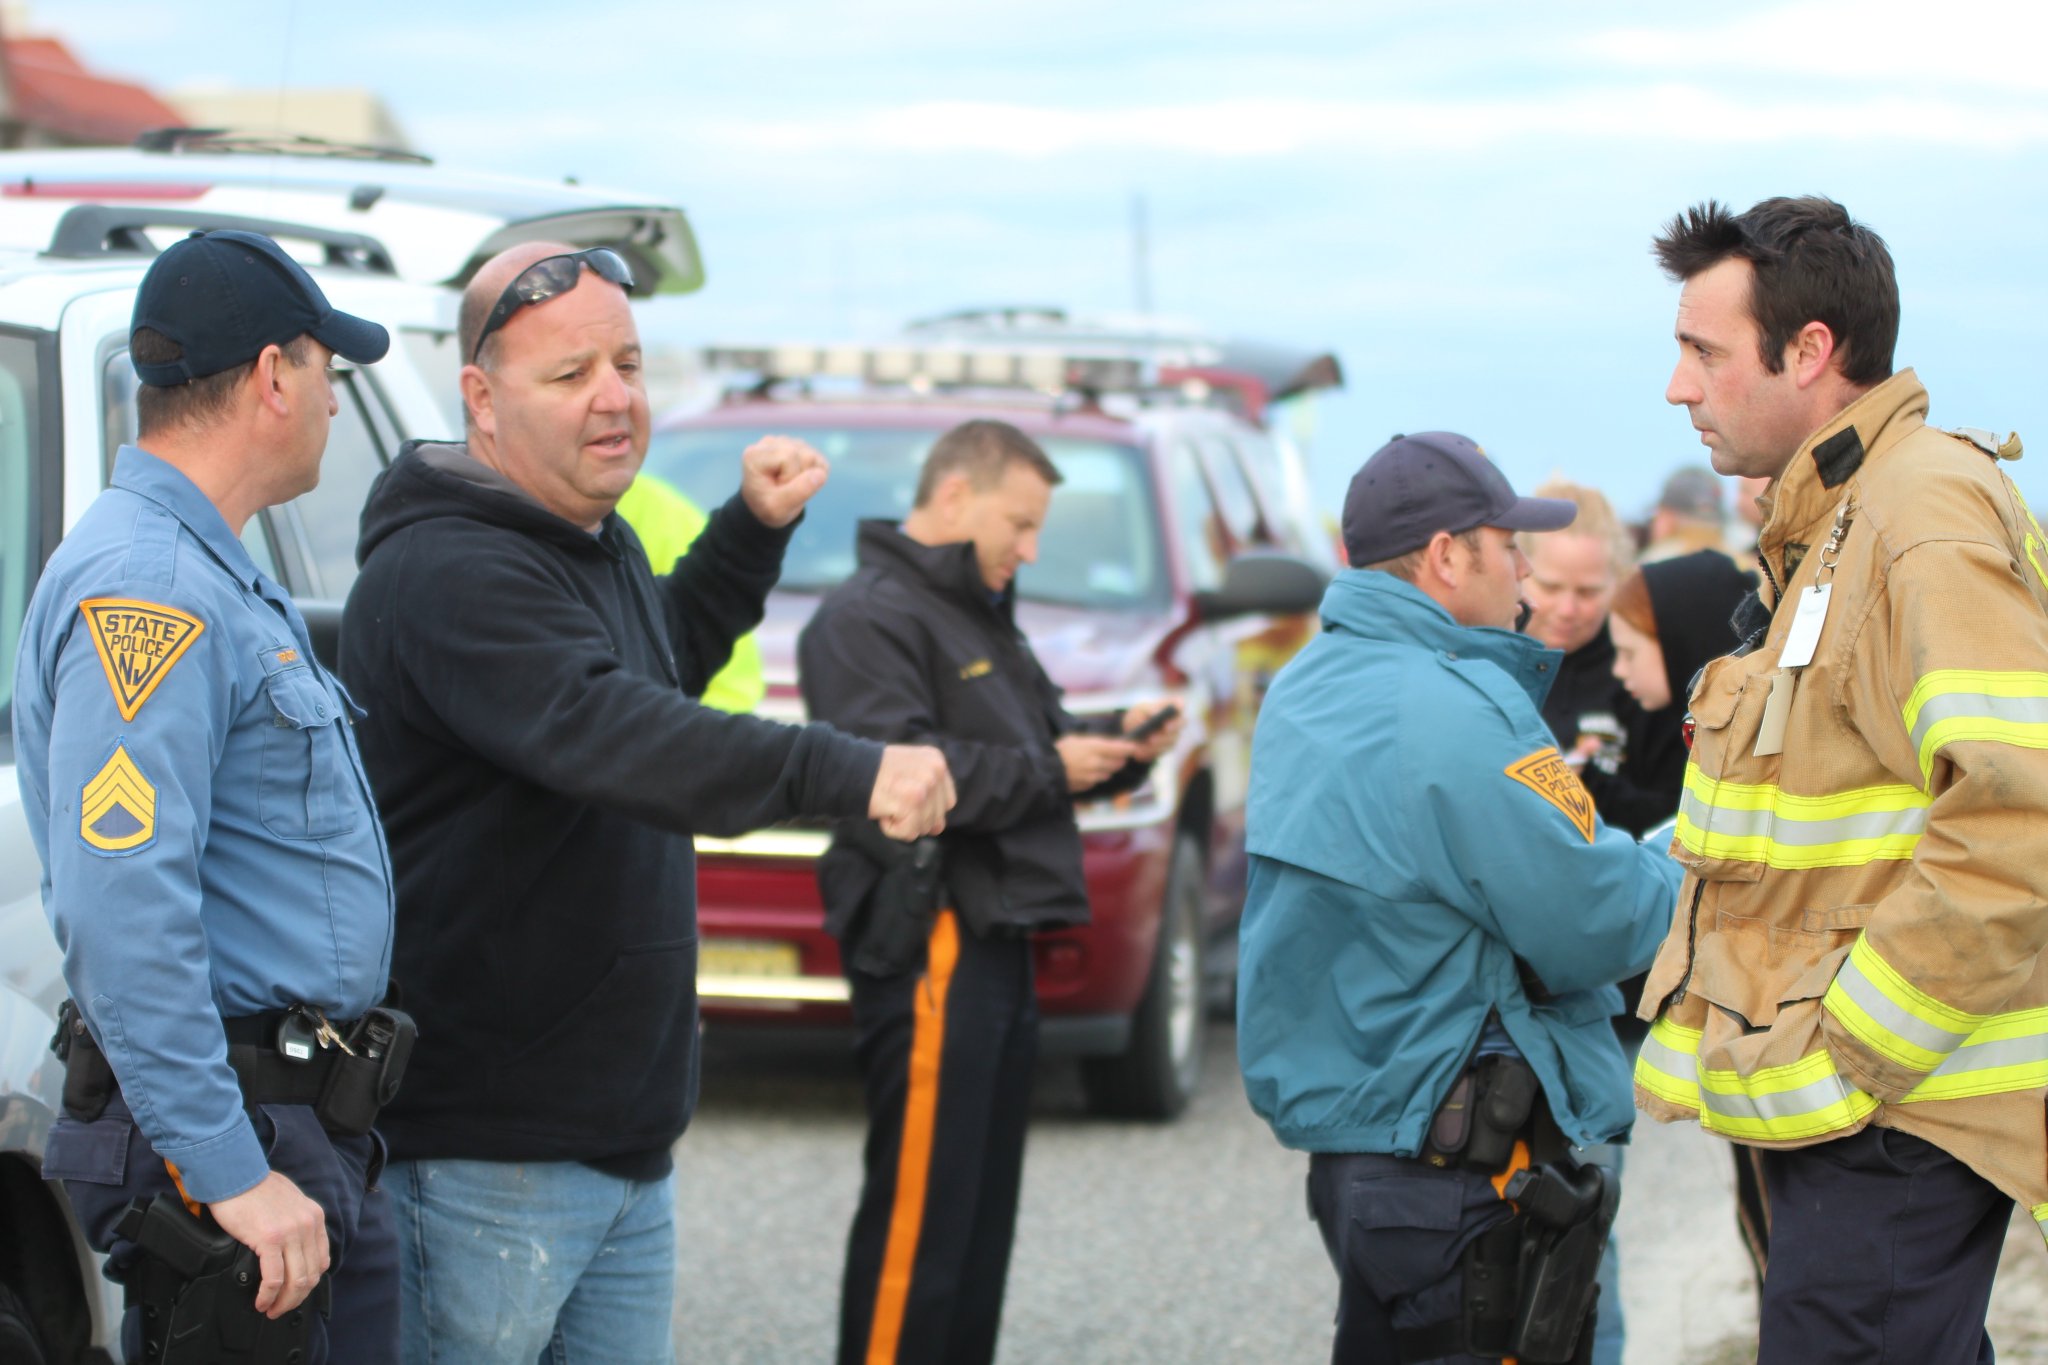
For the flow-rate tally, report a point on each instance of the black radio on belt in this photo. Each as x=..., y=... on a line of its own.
x=365, y=1076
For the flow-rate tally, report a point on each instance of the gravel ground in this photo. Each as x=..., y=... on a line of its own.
x=1186, y=1242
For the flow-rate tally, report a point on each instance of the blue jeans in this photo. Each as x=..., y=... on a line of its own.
x=510, y=1263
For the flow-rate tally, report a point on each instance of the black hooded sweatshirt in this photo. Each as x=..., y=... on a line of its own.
x=540, y=767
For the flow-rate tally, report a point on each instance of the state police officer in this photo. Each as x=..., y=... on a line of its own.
x=1434, y=918
x=212, y=862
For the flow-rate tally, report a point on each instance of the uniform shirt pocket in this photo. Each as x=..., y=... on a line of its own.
x=299, y=791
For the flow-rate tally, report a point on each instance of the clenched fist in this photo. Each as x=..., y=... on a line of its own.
x=913, y=792
x=778, y=475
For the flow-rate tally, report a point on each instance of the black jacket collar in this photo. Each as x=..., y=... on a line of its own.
x=949, y=569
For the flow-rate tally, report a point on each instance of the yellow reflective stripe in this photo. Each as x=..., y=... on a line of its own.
x=1782, y=1103
x=1668, y=1065
x=1777, y=1104
x=1950, y=705
x=1892, y=1016
x=1760, y=823
x=2040, y=1212
x=2008, y=1052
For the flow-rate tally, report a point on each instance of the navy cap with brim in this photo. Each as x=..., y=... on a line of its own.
x=1415, y=486
x=1535, y=514
x=356, y=340
x=223, y=296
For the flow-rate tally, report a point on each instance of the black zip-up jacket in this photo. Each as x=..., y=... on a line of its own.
x=913, y=648
x=540, y=768
x=1644, y=790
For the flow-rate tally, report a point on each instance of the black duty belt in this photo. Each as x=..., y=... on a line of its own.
x=267, y=1074
x=347, y=1071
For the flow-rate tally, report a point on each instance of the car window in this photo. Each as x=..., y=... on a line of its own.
x=319, y=527
x=1204, y=543
x=324, y=523
x=20, y=562
x=1234, y=497
x=1100, y=546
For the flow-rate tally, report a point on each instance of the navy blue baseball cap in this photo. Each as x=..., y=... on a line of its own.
x=223, y=296
x=1415, y=486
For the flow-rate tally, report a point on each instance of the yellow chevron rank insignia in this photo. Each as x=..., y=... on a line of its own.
x=1547, y=774
x=138, y=643
x=117, y=808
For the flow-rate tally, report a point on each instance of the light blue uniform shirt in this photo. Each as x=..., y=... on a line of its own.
x=191, y=780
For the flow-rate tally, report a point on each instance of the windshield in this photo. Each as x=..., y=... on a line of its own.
x=1099, y=548
x=20, y=520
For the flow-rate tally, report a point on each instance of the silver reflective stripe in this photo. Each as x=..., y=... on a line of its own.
x=1666, y=1060
x=1793, y=832
x=2033, y=1048
x=1712, y=818
x=1781, y=1106
x=1888, y=1014
x=1950, y=705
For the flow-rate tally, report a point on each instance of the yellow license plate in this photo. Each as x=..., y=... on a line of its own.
x=747, y=957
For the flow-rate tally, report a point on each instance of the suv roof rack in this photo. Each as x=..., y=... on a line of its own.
x=95, y=231
x=224, y=141
x=1048, y=370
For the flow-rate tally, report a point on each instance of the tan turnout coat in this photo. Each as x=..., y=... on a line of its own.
x=1860, y=938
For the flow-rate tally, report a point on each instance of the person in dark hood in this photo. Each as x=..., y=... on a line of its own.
x=1671, y=619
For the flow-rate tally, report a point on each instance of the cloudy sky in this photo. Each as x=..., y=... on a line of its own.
x=1458, y=198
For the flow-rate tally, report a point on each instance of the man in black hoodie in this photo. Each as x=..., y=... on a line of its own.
x=540, y=762
x=921, y=645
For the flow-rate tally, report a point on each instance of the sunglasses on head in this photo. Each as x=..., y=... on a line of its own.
x=546, y=278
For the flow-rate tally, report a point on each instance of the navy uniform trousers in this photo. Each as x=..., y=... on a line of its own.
x=1395, y=1231
x=108, y=1163
x=946, y=1055
x=1883, y=1249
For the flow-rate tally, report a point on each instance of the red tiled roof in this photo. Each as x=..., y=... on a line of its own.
x=54, y=93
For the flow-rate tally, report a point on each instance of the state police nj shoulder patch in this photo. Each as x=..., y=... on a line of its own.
x=1547, y=774
x=138, y=644
x=117, y=807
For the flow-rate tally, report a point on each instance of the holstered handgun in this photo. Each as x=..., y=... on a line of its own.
x=196, y=1287
x=889, y=937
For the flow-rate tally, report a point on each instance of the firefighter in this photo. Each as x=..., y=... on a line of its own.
x=1853, y=981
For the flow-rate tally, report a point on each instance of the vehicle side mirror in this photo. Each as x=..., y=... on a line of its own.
x=1264, y=582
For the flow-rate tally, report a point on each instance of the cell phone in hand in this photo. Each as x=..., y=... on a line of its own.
x=1154, y=723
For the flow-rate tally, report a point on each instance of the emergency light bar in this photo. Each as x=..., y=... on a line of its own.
x=1046, y=370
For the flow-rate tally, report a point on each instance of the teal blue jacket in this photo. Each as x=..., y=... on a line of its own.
x=1412, y=834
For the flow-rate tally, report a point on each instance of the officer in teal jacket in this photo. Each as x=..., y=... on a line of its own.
x=1435, y=919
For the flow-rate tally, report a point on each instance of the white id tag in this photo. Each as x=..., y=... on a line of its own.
x=1805, y=632
x=1770, y=736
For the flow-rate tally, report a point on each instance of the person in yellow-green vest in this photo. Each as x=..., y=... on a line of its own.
x=666, y=523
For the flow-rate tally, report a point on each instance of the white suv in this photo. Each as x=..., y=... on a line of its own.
x=77, y=232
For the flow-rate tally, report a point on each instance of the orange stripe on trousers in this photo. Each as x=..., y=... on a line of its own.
x=914, y=1159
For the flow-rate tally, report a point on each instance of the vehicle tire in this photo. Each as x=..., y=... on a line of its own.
x=20, y=1342
x=1158, y=1073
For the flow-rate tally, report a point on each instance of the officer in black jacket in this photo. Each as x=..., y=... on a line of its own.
x=921, y=644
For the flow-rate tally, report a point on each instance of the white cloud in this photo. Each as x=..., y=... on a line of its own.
x=1678, y=114
x=1991, y=45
